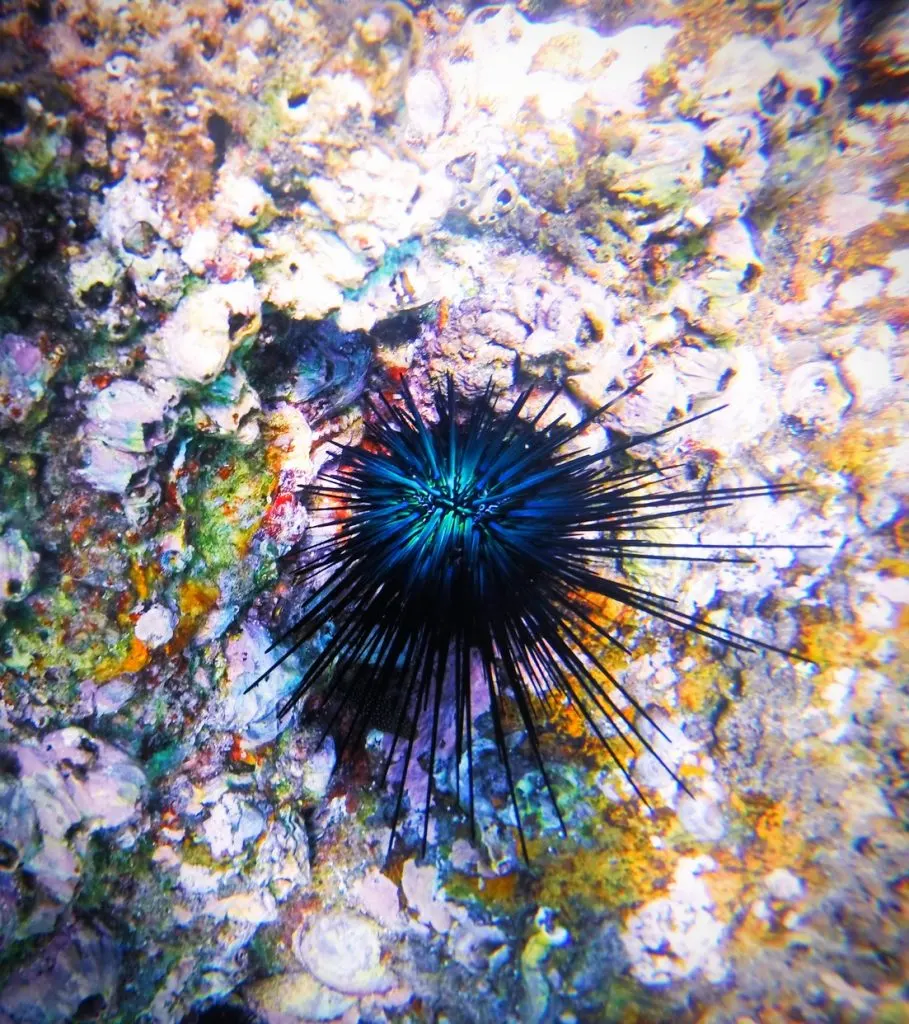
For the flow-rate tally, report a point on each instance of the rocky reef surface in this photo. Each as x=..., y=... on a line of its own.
x=222, y=224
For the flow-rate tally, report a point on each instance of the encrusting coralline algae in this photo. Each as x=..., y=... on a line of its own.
x=221, y=225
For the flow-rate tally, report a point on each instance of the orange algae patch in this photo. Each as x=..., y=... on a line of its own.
x=82, y=529
x=568, y=723
x=499, y=893
x=240, y=756
x=142, y=576
x=777, y=842
x=138, y=579
x=860, y=448
x=195, y=600
x=135, y=660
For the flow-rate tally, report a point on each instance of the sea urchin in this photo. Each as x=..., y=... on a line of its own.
x=475, y=545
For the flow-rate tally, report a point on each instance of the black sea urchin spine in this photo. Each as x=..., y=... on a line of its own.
x=479, y=538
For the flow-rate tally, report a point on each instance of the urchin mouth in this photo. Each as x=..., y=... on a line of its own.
x=462, y=503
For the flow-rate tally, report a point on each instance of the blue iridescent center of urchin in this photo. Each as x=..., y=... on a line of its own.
x=446, y=514
x=451, y=499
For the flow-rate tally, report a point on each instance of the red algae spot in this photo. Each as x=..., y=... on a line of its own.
x=240, y=756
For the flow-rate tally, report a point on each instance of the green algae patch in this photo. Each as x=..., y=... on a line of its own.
x=163, y=762
x=226, y=507
x=64, y=630
x=394, y=259
x=107, y=866
x=42, y=164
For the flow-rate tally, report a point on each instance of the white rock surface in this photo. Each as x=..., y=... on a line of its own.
x=673, y=937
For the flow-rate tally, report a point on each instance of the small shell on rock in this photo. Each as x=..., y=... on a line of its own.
x=390, y=193
x=665, y=166
x=78, y=967
x=732, y=242
x=282, y=857
x=139, y=239
x=782, y=884
x=156, y=625
x=242, y=199
x=122, y=413
x=24, y=374
x=19, y=831
x=195, y=343
x=233, y=822
x=496, y=200
x=94, y=269
x=843, y=215
x=804, y=69
x=72, y=779
x=733, y=137
x=859, y=289
x=290, y=441
x=200, y=249
x=125, y=421
x=308, y=271
x=255, y=713
x=297, y=996
x=427, y=104
x=158, y=275
x=343, y=951
x=232, y=408
x=257, y=907
x=125, y=204
x=17, y=566
x=736, y=74
x=815, y=396
x=898, y=263
x=420, y=886
x=868, y=376
x=377, y=894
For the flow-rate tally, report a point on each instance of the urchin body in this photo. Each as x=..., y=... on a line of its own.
x=479, y=538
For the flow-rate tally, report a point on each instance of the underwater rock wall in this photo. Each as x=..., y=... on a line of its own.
x=221, y=225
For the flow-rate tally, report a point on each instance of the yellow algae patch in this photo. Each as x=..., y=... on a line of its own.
x=290, y=441
x=625, y=869
x=898, y=567
x=139, y=578
x=830, y=642
x=701, y=688
x=197, y=598
x=871, y=247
